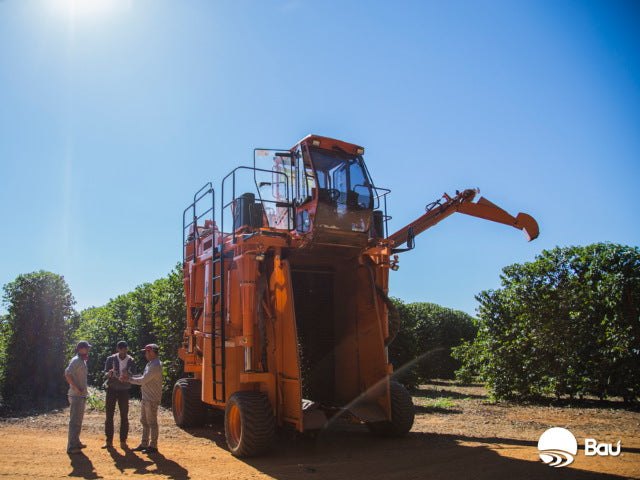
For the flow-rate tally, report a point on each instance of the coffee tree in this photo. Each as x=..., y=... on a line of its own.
x=566, y=324
x=34, y=334
x=422, y=348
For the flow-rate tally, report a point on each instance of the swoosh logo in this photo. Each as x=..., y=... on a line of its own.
x=556, y=458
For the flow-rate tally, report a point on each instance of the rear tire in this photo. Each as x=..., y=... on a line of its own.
x=249, y=424
x=188, y=408
x=402, y=413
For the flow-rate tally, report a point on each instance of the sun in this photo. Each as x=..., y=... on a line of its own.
x=86, y=8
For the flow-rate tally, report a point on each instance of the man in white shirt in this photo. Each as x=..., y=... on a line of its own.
x=151, y=381
x=117, y=368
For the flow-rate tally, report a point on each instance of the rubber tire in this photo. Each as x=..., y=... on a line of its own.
x=402, y=413
x=188, y=408
x=249, y=424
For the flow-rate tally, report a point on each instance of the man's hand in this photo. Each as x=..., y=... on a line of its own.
x=71, y=384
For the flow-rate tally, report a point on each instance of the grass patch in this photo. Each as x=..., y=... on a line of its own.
x=441, y=403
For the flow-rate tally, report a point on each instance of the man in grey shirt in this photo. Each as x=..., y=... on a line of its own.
x=151, y=381
x=76, y=376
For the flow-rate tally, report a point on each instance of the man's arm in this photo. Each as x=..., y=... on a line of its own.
x=108, y=367
x=132, y=366
x=69, y=379
x=73, y=385
x=149, y=374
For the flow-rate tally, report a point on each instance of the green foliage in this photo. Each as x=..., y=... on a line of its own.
x=566, y=324
x=5, y=331
x=151, y=313
x=169, y=320
x=403, y=351
x=96, y=400
x=35, y=334
x=427, y=334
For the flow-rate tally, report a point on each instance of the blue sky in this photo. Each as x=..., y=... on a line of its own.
x=113, y=112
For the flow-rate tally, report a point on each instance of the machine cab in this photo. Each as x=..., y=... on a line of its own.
x=332, y=189
x=321, y=189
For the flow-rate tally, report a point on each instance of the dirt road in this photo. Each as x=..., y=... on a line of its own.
x=457, y=434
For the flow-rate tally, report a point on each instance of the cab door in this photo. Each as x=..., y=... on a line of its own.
x=275, y=180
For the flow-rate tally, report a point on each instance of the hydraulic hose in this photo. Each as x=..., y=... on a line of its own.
x=394, y=317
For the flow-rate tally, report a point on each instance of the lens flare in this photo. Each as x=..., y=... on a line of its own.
x=86, y=8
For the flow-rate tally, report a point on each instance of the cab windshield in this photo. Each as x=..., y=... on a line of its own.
x=342, y=180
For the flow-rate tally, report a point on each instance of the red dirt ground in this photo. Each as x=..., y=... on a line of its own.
x=458, y=433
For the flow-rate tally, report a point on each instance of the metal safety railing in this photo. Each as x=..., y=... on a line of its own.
x=190, y=230
x=234, y=203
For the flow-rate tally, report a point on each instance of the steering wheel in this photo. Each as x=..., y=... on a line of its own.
x=334, y=193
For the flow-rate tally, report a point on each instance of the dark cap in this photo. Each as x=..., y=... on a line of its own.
x=82, y=344
x=122, y=344
x=151, y=346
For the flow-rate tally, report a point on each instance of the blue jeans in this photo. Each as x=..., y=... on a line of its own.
x=76, y=415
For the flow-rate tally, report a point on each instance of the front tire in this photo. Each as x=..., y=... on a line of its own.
x=188, y=408
x=402, y=413
x=249, y=424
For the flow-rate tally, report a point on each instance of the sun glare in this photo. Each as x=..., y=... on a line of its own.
x=87, y=8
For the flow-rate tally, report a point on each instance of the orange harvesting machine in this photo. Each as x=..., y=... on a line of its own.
x=288, y=318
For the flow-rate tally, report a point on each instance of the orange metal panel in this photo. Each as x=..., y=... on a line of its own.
x=373, y=364
x=328, y=144
x=289, y=395
x=207, y=374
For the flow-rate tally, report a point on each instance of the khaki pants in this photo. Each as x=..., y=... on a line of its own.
x=149, y=420
x=76, y=415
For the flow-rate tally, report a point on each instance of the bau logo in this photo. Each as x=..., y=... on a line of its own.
x=557, y=447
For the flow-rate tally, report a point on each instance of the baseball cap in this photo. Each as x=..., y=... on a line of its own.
x=151, y=346
x=122, y=344
x=82, y=344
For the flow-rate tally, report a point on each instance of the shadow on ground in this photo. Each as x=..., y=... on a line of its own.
x=33, y=407
x=444, y=393
x=447, y=391
x=82, y=466
x=339, y=454
x=352, y=452
x=140, y=464
x=420, y=409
